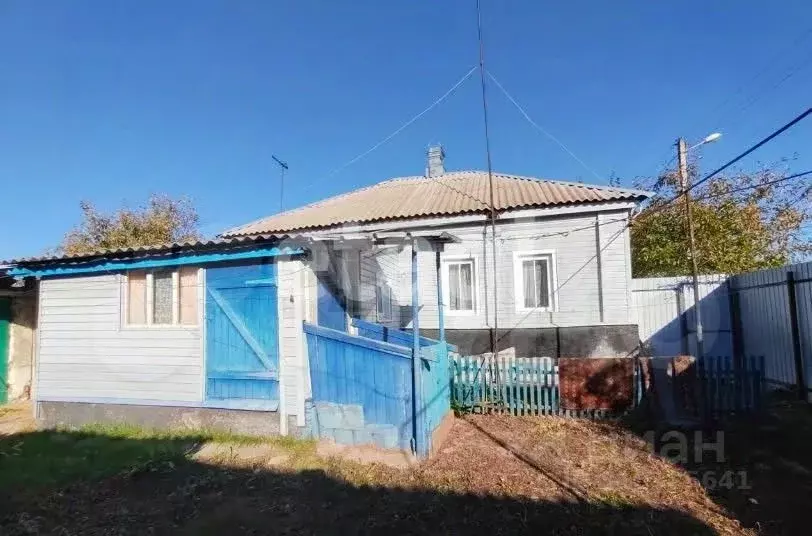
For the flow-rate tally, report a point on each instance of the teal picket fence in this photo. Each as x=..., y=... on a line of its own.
x=519, y=386
x=530, y=386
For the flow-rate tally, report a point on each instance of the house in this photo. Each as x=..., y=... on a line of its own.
x=562, y=266
x=217, y=332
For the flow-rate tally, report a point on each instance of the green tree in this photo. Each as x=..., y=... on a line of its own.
x=161, y=220
x=742, y=221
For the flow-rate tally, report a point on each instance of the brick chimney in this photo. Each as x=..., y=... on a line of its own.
x=434, y=164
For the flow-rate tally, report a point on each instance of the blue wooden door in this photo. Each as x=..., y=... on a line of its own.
x=242, y=356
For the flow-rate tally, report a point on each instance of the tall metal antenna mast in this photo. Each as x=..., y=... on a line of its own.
x=495, y=329
x=283, y=167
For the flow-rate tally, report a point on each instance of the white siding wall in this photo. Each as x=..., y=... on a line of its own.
x=84, y=353
x=292, y=312
x=574, y=240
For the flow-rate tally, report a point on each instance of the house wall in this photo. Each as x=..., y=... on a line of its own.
x=580, y=291
x=86, y=355
x=293, y=306
x=84, y=352
x=592, y=285
x=21, y=345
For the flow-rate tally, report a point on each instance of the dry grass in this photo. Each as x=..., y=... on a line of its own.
x=495, y=474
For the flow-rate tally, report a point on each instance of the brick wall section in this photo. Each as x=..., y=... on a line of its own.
x=596, y=383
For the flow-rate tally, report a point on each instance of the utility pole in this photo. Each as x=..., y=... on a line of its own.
x=685, y=186
x=494, y=331
x=283, y=166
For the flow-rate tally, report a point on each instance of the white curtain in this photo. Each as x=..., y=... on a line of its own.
x=466, y=287
x=162, y=297
x=454, y=286
x=542, y=289
x=529, y=279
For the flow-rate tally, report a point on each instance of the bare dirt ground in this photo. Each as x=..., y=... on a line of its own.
x=495, y=474
x=15, y=418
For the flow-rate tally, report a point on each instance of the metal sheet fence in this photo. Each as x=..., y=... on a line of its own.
x=774, y=315
x=766, y=313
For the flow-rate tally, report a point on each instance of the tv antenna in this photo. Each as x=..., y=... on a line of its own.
x=283, y=167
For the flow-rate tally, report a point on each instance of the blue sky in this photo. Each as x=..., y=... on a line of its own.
x=112, y=100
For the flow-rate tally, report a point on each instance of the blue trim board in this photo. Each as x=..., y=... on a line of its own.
x=393, y=335
x=358, y=341
x=246, y=405
x=174, y=260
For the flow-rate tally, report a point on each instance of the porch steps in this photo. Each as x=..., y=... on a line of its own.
x=345, y=424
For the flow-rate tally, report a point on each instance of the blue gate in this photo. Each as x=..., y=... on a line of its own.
x=242, y=356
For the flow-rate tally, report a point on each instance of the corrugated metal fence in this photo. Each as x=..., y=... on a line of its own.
x=664, y=312
x=766, y=313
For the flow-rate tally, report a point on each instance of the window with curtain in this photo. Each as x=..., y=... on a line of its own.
x=534, y=280
x=162, y=297
x=460, y=287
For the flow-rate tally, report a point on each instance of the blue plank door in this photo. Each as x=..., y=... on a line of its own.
x=242, y=357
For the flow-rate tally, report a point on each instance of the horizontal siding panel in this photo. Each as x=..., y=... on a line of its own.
x=78, y=303
x=135, y=336
x=98, y=281
x=107, y=375
x=60, y=316
x=106, y=359
x=121, y=390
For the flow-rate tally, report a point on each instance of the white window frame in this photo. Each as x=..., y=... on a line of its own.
x=518, y=279
x=149, y=300
x=445, y=262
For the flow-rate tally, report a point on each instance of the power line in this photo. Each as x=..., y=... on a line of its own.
x=766, y=140
x=767, y=66
x=540, y=128
x=754, y=186
x=405, y=125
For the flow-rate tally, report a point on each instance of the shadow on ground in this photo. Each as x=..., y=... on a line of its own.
x=157, y=488
x=764, y=476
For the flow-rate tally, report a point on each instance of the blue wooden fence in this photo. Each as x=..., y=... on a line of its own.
x=530, y=386
x=362, y=390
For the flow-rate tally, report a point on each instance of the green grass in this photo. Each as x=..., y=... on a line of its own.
x=45, y=459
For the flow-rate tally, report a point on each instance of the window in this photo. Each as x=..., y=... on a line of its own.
x=534, y=273
x=383, y=298
x=459, y=286
x=162, y=297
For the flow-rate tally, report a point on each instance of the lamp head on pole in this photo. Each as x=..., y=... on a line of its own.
x=712, y=137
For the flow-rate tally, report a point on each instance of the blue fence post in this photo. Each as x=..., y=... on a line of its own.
x=417, y=399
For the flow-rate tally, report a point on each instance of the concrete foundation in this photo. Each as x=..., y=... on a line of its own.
x=576, y=341
x=76, y=414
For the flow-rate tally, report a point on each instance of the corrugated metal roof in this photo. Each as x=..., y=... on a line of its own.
x=454, y=193
x=156, y=249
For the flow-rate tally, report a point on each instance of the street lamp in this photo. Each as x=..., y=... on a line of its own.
x=708, y=139
x=684, y=180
